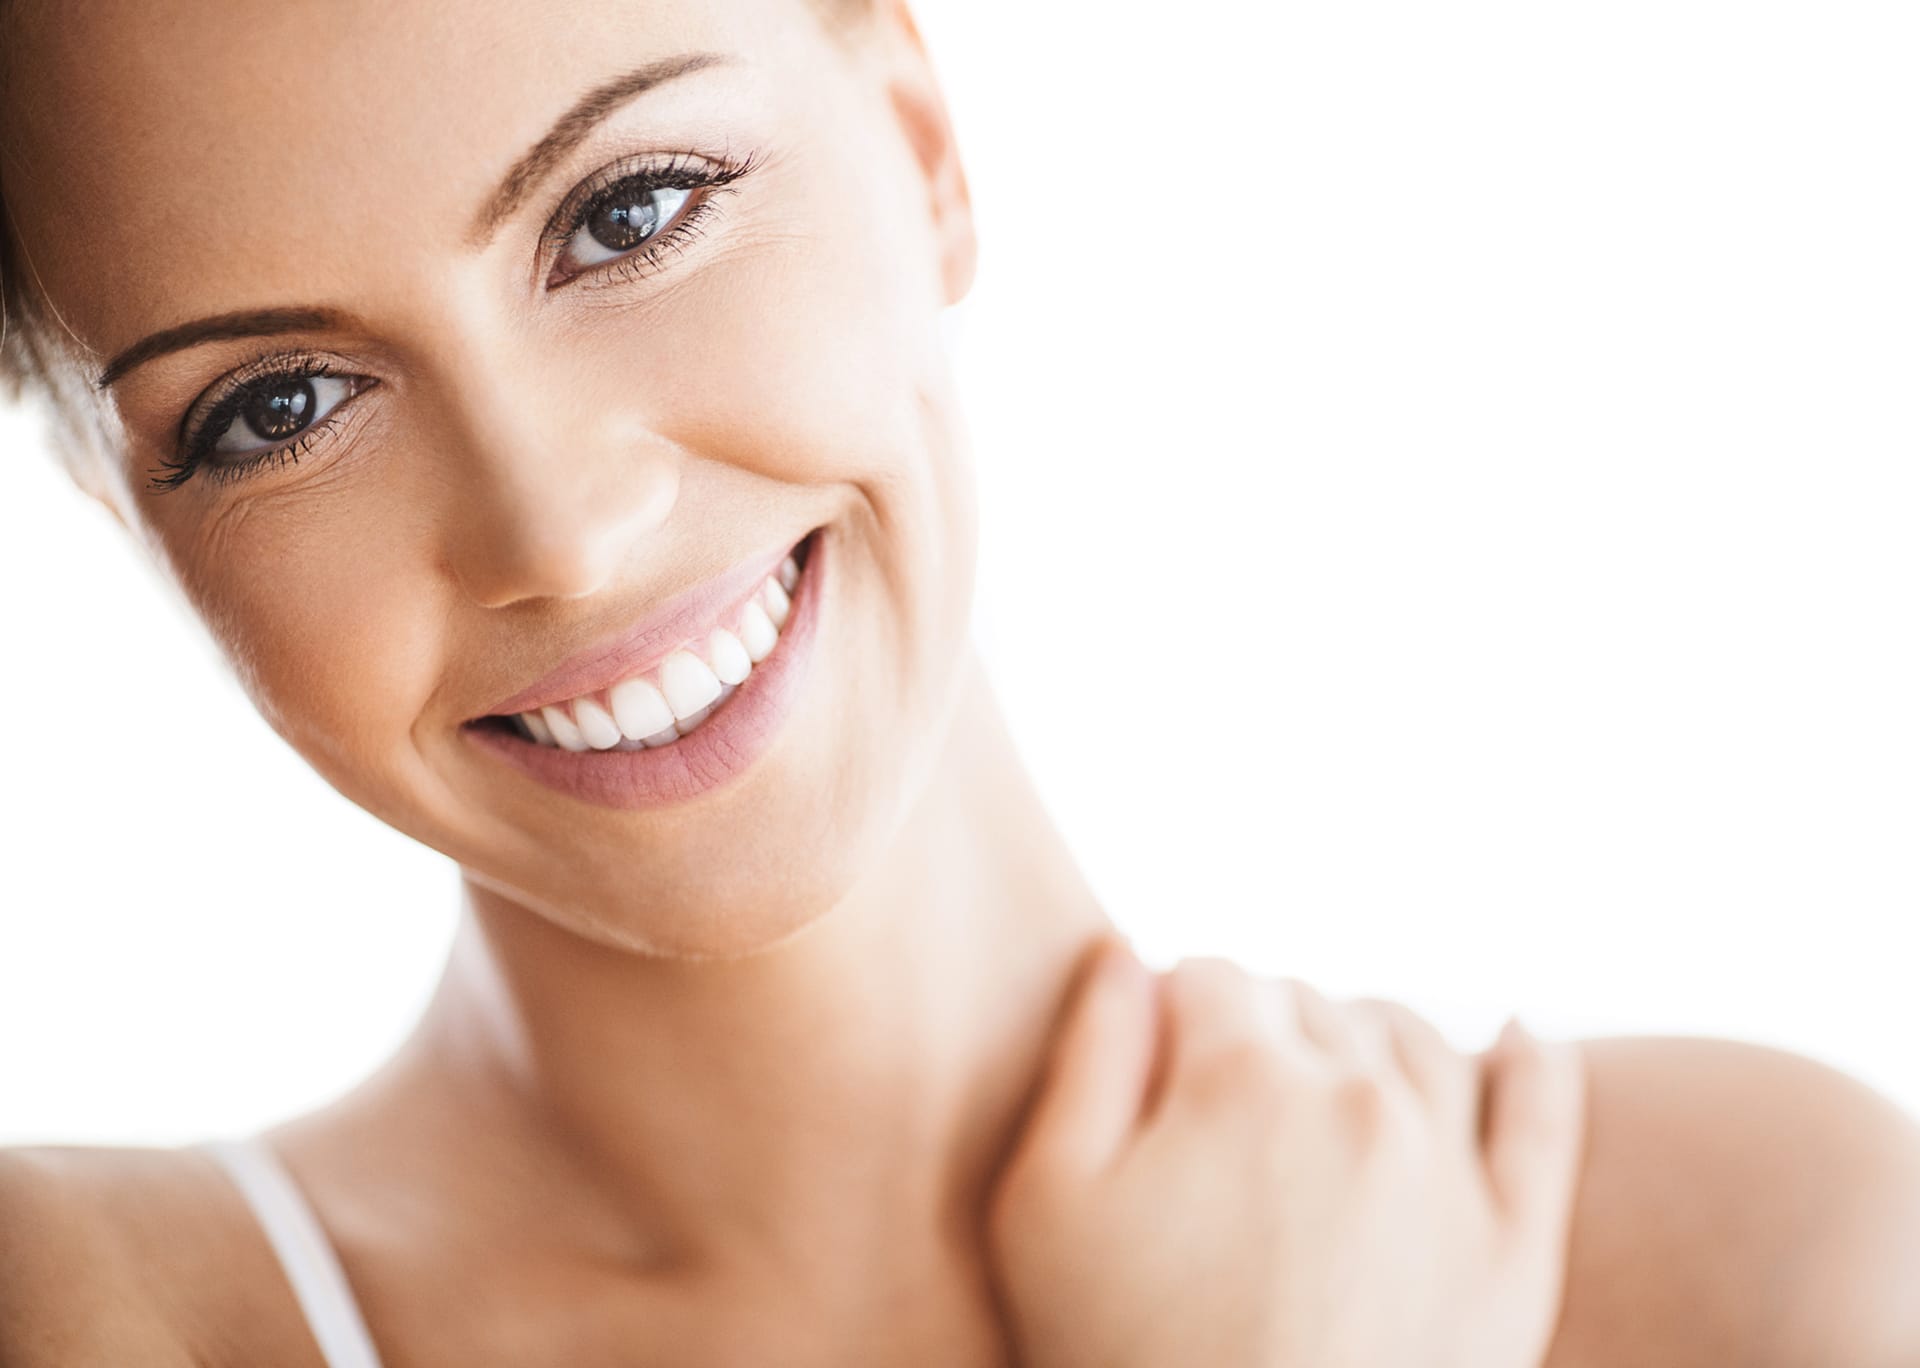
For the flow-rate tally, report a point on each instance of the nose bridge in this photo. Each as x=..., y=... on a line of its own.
x=548, y=487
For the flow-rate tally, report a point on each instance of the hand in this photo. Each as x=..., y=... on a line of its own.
x=1281, y=1182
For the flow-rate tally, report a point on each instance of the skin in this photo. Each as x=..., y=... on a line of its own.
x=831, y=996
x=1253, y=1175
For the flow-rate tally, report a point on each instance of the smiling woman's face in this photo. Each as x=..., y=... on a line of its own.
x=528, y=320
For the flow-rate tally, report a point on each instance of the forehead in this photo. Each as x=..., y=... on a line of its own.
x=172, y=158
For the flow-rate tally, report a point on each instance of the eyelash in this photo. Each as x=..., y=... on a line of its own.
x=682, y=171
x=197, y=438
x=679, y=172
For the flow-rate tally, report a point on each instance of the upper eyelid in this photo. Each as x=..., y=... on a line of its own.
x=200, y=410
x=619, y=269
x=276, y=365
x=571, y=210
x=344, y=416
x=196, y=423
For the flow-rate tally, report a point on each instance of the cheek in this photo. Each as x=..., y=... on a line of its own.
x=331, y=620
x=808, y=351
x=794, y=365
x=808, y=358
x=804, y=338
x=819, y=363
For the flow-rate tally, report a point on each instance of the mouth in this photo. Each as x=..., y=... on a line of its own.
x=680, y=708
x=677, y=693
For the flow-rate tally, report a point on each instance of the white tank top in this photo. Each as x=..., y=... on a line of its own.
x=302, y=1248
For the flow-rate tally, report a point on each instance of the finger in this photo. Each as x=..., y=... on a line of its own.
x=1337, y=1035
x=1534, y=1129
x=1091, y=1088
x=1213, y=1006
x=1442, y=1075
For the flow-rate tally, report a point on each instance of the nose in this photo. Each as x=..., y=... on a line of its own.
x=543, y=506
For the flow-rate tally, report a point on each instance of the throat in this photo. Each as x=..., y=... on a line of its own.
x=848, y=1091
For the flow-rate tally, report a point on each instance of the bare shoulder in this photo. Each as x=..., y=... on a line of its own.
x=1741, y=1205
x=129, y=1255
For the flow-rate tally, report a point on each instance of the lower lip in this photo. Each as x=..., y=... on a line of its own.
x=723, y=747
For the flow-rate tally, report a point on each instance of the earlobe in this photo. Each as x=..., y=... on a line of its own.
x=923, y=115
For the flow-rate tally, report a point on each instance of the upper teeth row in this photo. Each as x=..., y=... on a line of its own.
x=691, y=682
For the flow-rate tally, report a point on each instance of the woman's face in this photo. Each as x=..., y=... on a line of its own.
x=477, y=408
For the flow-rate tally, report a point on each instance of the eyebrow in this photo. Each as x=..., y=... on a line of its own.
x=574, y=125
x=567, y=133
x=221, y=328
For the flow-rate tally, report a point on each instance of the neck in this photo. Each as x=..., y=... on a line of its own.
x=839, y=1097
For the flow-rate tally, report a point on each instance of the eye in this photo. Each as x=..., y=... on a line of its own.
x=625, y=217
x=276, y=409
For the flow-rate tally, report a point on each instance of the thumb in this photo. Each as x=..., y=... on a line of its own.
x=1095, y=1078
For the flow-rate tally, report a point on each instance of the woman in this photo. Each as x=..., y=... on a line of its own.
x=544, y=408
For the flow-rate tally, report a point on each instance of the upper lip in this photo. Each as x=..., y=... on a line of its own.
x=639, y=646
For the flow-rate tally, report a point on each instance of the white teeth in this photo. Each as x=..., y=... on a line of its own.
x=639, y=708
x=729, y=658
x=687, y=724
x=757, y=632
x=596, y=724
x=565, y=734
x=778, y=604
x=640, y=714
x=692, y=720
x=688, y=684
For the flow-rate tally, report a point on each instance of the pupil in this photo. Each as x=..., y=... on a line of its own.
x=282, y=408
x=623, y=222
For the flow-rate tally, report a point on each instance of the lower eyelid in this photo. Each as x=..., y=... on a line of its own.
x=640, y=260
x=353, y=387
x=328, y=430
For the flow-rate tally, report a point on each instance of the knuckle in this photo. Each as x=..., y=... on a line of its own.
x=1367, y=1108
x=1205, y=966
x=1378, y=1005
x=1360, y=1098
x=1402, y=1021
x=1237, y=1072
x=1403, y=1018
x=1301, y=994
x=1242, y=1061
x=1204, y=976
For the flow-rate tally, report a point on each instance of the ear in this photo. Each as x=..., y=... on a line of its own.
x=922, y=111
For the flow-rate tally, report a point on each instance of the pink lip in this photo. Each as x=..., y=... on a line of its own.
x=646, y=643
x=722, y=747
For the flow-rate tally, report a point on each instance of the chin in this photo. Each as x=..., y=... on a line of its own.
x=750, y=865
x=759, y=904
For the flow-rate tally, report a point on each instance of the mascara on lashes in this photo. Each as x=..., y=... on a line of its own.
x=686, y=171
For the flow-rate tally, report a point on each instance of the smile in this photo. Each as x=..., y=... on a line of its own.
x=702, y=696
x=658, y=707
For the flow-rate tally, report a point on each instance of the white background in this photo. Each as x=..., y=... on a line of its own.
x=1450, y=511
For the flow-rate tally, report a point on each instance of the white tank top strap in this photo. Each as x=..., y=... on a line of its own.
x=305, y=1254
